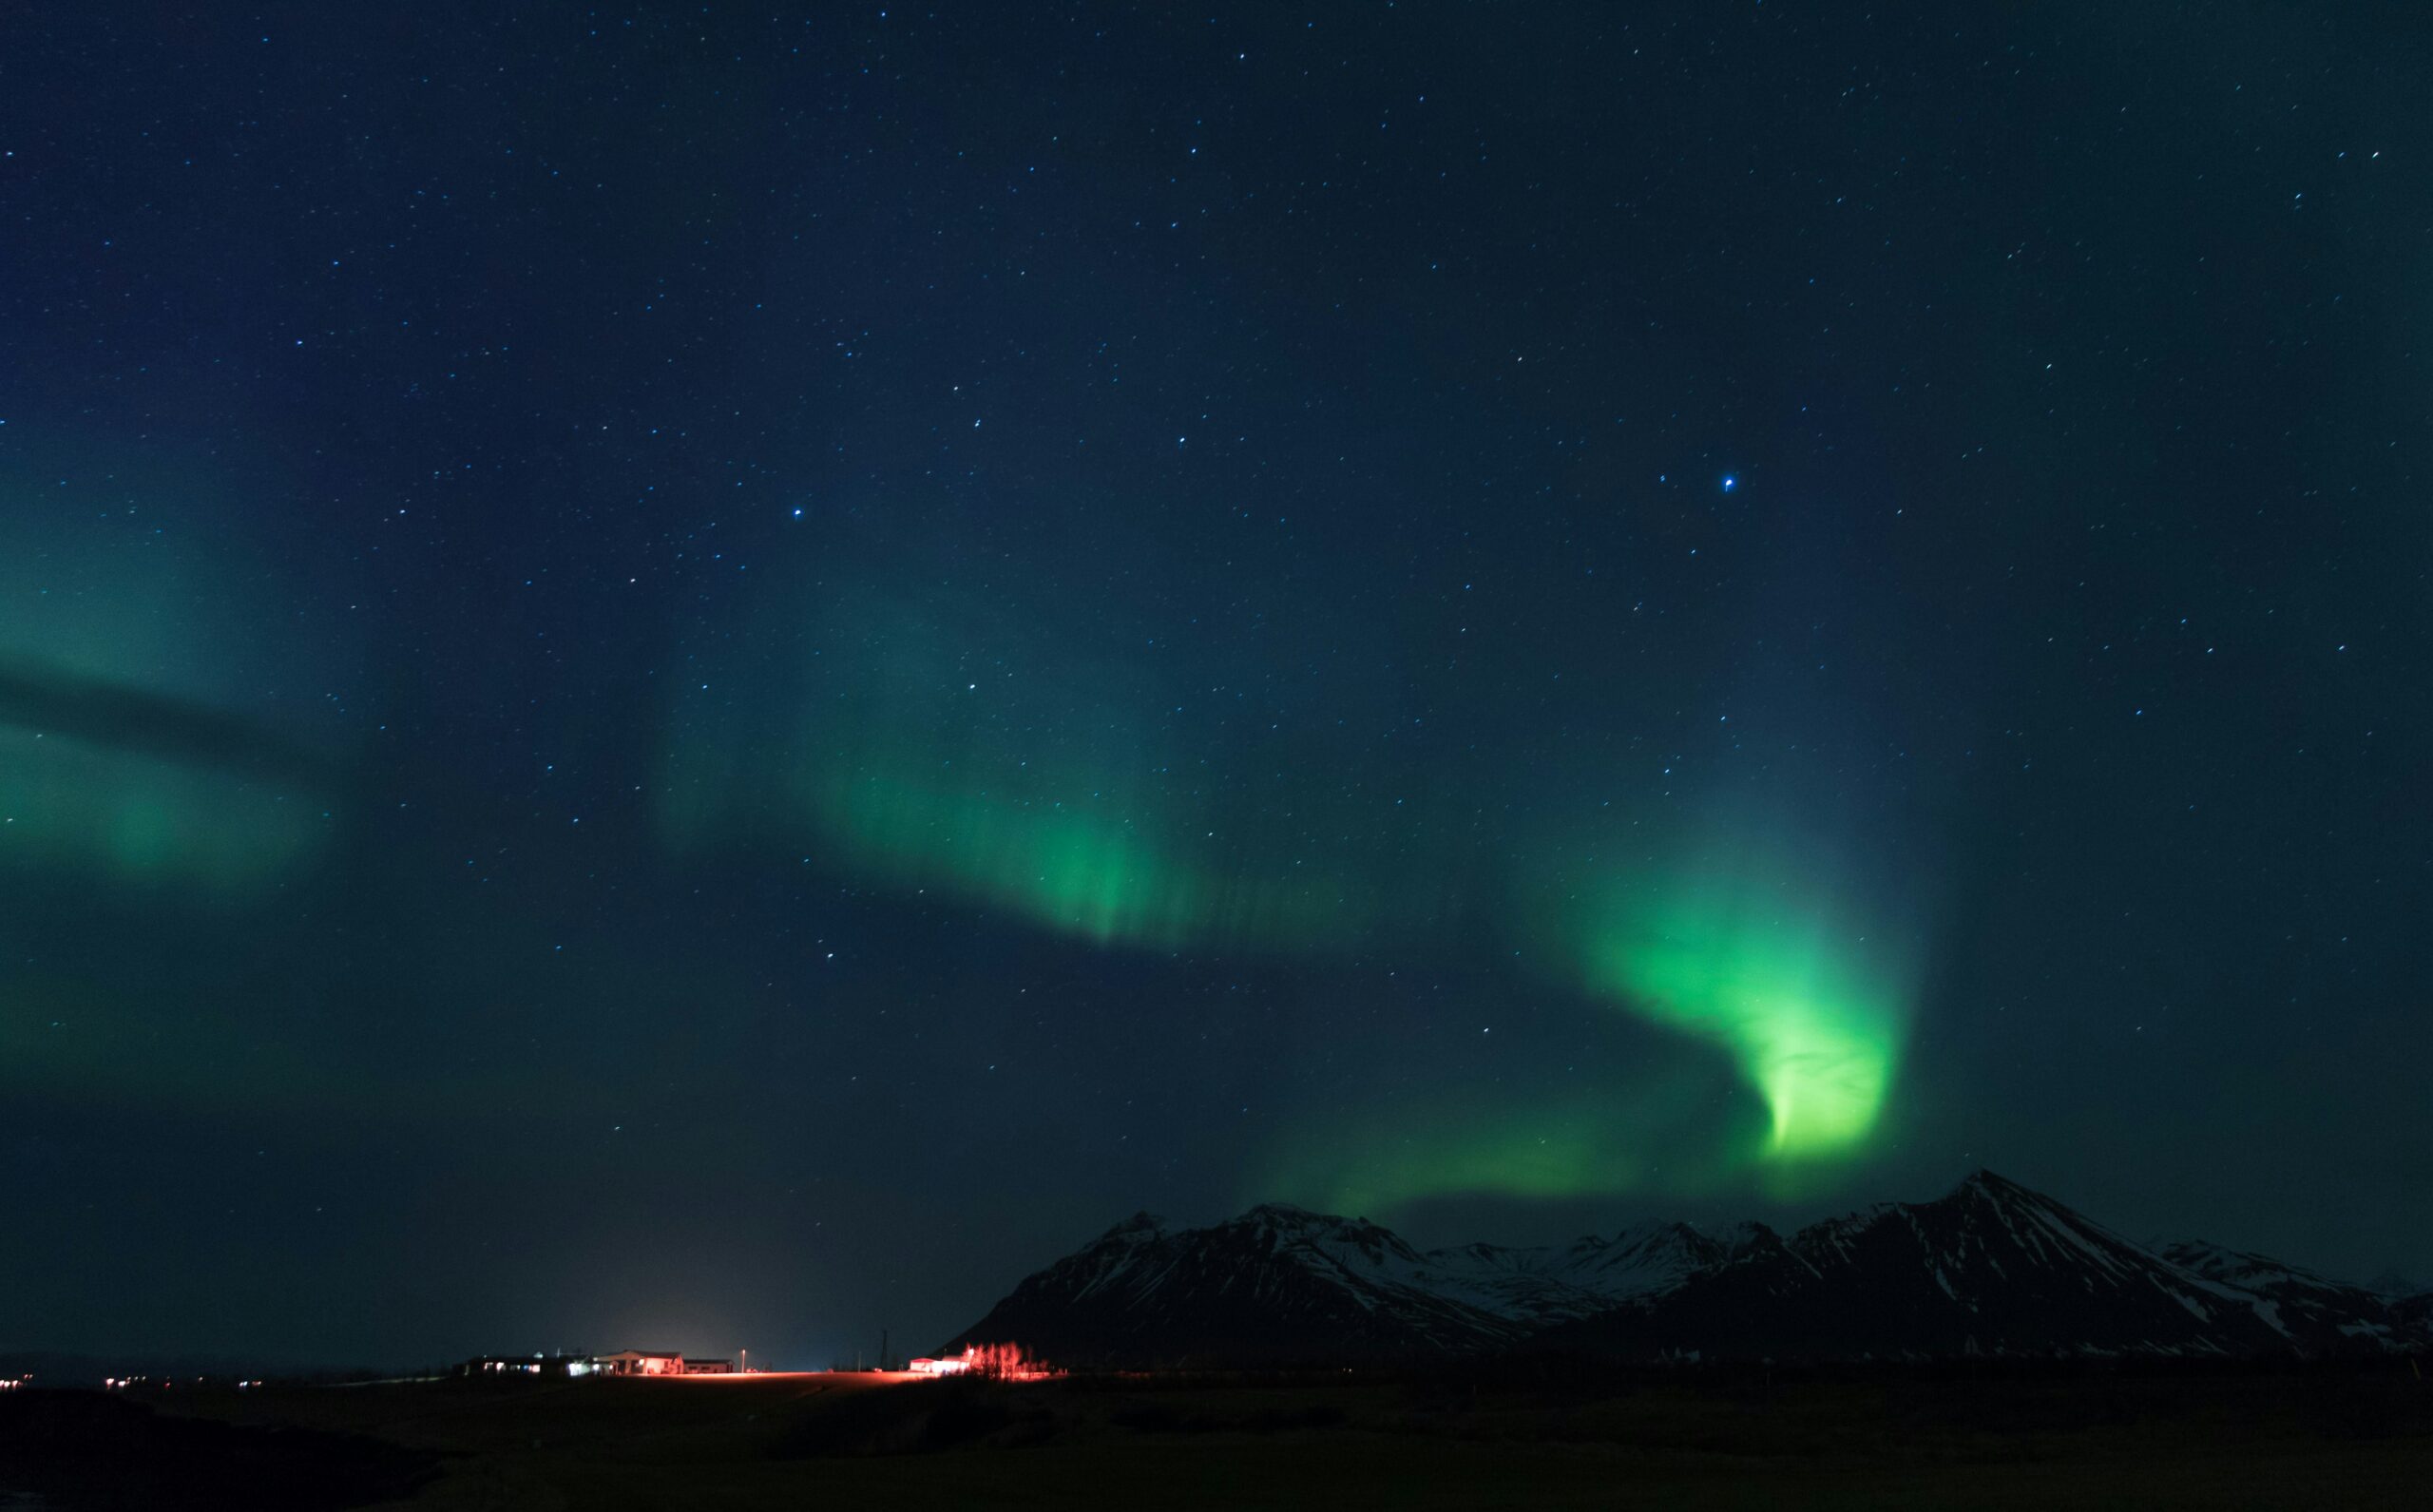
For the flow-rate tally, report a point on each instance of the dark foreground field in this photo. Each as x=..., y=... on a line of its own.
x=1508, y=1437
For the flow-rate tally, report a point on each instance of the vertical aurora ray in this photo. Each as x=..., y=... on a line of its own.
x=1106, y=870
x=936, y=751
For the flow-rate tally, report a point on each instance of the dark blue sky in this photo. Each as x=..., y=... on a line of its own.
x=680, y=677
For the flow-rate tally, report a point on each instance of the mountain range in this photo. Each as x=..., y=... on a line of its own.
x=1990, y=1269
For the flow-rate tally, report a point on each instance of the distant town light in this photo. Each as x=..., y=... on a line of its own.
x=999, y=1362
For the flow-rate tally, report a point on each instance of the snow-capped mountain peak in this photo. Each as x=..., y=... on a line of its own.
x=1989, y=1268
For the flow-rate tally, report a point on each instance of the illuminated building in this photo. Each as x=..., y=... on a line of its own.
x=639, y=1362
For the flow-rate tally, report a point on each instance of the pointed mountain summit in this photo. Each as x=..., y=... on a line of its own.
x=1991, y=1268
x=1280, y=1285
x=1275, y=1285
x=1142, y=1222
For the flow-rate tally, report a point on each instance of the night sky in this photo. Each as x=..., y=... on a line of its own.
x=689, y=676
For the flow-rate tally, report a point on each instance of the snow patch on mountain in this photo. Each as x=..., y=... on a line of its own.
x=1990, y=1268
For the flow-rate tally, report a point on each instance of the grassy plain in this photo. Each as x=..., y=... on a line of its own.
x=1539, y=1435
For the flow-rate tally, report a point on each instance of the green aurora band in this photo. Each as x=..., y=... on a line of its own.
x=932, y=748
x=137, y=745
x=1651, y=1129
x=902, y=757
x=1810, y=1006
x=1109, y=872
x=1759, y=948
x=70, y=805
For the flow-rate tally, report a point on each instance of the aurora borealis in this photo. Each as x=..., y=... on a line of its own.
x=807, y=628
x=1049, y=796
x=133, y=743
x=1756, y=964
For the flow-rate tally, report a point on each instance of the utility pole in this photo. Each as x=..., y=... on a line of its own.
x=882, y=1349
